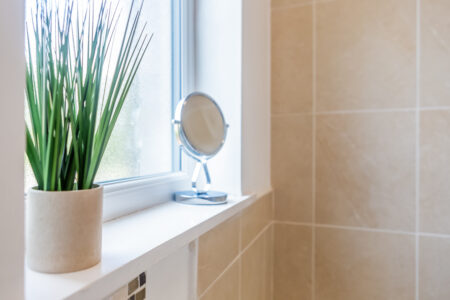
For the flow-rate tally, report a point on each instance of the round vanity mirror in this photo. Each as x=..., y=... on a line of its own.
x=201, y=130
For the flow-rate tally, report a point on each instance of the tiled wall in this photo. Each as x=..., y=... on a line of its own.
x=134, y=290
x=361, y=149
x=235, y=259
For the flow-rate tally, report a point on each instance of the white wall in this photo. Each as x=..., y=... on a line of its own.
x=12, y=68
x=256, y=96
x=230, y=32
x=232, y=47
x=218, y=47
x=174, y=277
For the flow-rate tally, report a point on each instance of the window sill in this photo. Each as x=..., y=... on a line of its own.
x=133, y=241
x=126, y=197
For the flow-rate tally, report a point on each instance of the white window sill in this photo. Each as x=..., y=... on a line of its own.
x=133, y=241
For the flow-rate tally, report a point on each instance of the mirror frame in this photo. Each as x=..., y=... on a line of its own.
x=181, y=135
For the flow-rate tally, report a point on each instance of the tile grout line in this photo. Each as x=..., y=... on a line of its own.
x=220, y=276
x=435, y=235
x=366, y=229
x=417, y=170
x=236, y=259
x=314, y=100
x=239, y=254
x=264, y=237
x=428, y=108
x=359, y=111
x=366, y=111
x=355, y=111
x=354, y=228
x=272, y=234
x=257, y=236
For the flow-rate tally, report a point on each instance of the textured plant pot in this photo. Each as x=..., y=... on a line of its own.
x=63, y=230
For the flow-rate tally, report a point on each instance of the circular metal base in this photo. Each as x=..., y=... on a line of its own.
x=193, y=198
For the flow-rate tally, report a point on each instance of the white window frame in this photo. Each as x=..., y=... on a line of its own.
x=128, y=195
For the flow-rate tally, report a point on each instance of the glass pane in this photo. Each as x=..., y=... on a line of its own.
x=141, y=143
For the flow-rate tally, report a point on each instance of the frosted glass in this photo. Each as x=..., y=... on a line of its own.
x=141, y=143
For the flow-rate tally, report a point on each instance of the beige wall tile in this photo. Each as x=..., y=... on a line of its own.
x=435, y=172
x=255, y=218
x=292, y=60
x=253, y=271
x=289, y=3
x=366, y=170
x=216, y=250
x=292, y=167
x=292, y=262
x=226, y=287
x=269, y=261
x=355, y=265
x=435, y=51
x=434, y=268
x=366, y=54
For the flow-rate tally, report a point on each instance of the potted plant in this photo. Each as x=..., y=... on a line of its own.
x=80, y=67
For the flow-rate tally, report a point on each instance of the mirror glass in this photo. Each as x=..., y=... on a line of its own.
x=203, y=124
x=201, y=131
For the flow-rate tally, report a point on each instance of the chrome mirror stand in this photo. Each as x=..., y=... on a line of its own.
x=201, y=130
x=201, y=196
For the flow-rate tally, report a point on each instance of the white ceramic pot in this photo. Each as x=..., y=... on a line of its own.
x=64, y=230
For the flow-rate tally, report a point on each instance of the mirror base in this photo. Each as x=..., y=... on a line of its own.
x=207, y=198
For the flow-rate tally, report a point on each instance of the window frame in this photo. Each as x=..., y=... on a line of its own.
x=128, y=195
x=183, y=62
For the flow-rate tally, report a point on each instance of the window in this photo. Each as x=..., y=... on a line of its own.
x=142, y=143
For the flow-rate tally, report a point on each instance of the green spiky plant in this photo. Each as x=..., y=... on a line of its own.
x=77, y=81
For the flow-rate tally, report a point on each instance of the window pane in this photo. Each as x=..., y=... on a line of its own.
x=141, y=143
